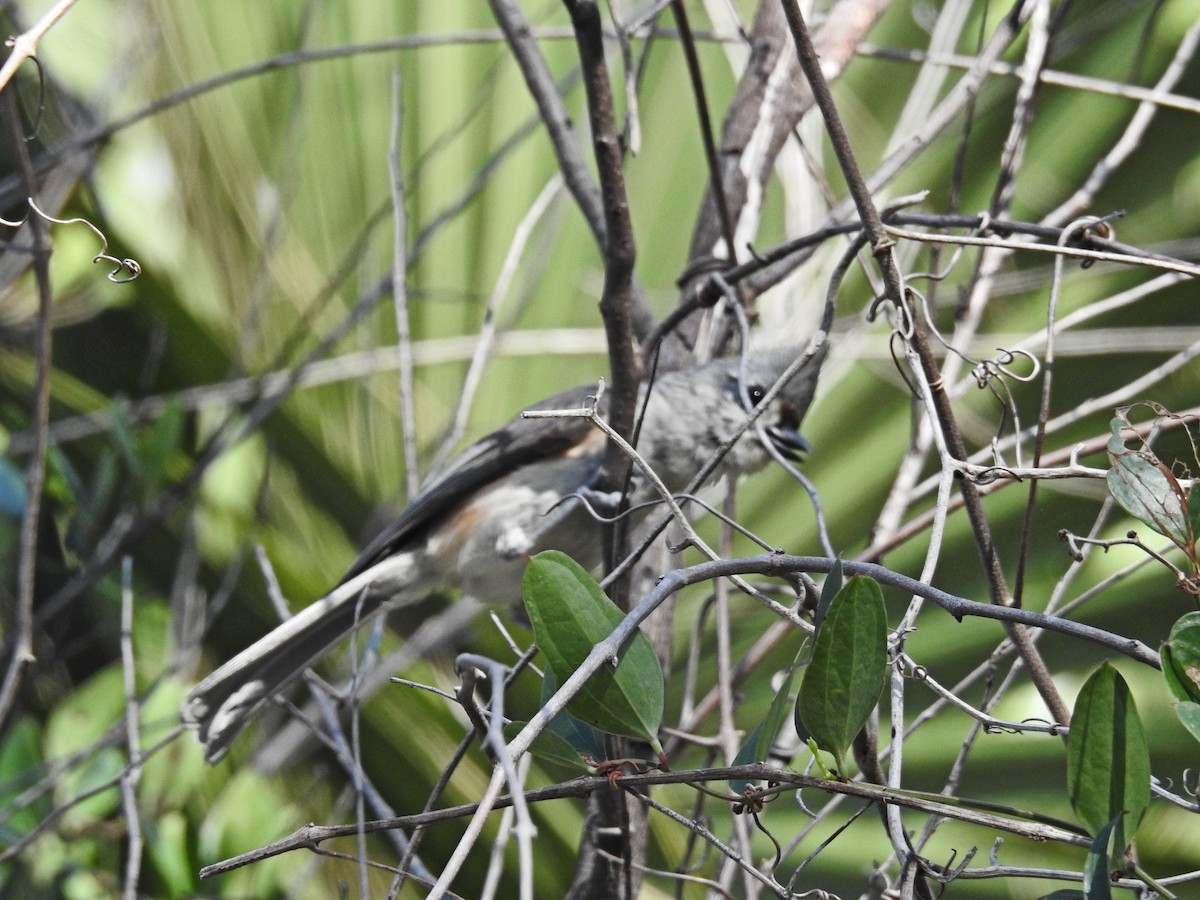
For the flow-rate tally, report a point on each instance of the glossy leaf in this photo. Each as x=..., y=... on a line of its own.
x=848, y=669
x=1180, y=655
x=1108, y=765
x=570, y=614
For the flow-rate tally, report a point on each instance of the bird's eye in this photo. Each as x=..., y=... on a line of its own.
x=756, y=393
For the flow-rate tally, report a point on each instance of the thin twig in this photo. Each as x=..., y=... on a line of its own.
x=404, y=355
x=24, y=45
x=1039, y=441
x=35, y=472
x=1131, y=138
x=696, y=78
x=131, y=772
x=896, y=293
x=486, y=339
x=524, y=830
x=1159, y=95
x=616, y=302
x=1036, y=827
x=1037, y=50
x=553, y=113
x=1150, y=261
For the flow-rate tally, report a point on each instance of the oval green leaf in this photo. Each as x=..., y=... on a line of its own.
x=848, y=669
x=1108, y=765
x=570, y=614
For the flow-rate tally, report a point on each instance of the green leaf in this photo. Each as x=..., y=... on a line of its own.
x=1108, y=766
x=829, y=590
x=1189, y=715
x=103, y=488
x=798, y=722
x=570, y=614
x=757, y=746
x=1180, y=655
x=95, y=782
x=1064, y=894
x=20, y=755
x=848, y=669
x=580, y=736
x=549, y=747
x=1176, y=683
x=167, y=849
x=1147, y=490
x=1096, y=882
x=122, y=436
x=158, y=446
x=747, y=755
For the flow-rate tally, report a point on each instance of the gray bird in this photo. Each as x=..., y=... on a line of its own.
x=504, y=499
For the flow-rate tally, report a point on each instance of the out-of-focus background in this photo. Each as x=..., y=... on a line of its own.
x=239, y=404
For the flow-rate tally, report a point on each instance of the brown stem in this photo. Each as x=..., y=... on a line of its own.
x=35, y=476
x=715, y=184
x=894, y=286
x=613, y=830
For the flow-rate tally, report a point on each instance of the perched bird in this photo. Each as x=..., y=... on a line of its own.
x=510, y=496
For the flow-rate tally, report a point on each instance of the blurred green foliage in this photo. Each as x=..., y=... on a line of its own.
x=260, y=211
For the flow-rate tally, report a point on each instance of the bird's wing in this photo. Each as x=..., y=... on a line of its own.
x=519, y=443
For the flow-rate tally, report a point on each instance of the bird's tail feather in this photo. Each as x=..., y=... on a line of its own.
x=221, y=705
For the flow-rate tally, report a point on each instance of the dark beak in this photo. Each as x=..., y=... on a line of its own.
x=789, y=442
x=785, y=433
